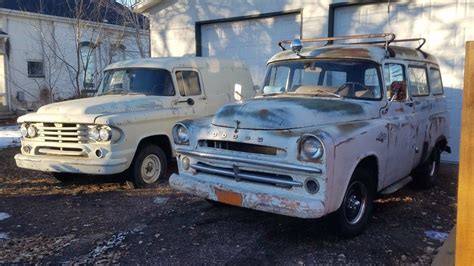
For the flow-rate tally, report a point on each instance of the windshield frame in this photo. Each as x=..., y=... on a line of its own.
x=100, y=88
x=289, y=81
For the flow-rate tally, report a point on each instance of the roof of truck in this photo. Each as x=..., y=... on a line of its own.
x=172, y=62
x=357, y=51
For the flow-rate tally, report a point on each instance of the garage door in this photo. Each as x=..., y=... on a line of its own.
x=252, y=41
x=445, y=26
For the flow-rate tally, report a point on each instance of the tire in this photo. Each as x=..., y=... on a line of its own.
x=426, y=175
x=148, y=167
x=354, y=213
x=64, y=177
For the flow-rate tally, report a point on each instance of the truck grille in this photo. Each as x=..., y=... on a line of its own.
x=238, y=175
x=241, y=147
x=62, y=133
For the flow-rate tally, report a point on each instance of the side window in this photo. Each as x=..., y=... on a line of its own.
x=371, y=82
x=418, y=81
x=188, y=83
x=393, y=72
x=435, y=81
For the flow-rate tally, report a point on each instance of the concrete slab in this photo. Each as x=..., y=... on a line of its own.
x=445, y=256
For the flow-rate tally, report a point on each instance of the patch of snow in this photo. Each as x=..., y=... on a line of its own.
x=9, y=136
x=4, y=215
x=160, y=200
x=4, y=236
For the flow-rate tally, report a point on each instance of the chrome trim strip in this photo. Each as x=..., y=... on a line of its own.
x=251, y=177
x=286, y=166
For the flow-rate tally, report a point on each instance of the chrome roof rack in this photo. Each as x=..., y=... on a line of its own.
x=388, y=38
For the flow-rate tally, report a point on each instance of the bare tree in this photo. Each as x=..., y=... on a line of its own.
x=73, y=53
x=135, y=21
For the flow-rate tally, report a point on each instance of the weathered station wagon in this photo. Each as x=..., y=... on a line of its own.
x=336, y=125
x=128, y=125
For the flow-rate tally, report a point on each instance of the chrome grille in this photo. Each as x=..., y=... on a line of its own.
x=242, y=147
x=238, y=175
x=62, y=132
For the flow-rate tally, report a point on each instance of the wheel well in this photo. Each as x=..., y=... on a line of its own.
x=161, y=140
x=370, y=164
x=442, y=143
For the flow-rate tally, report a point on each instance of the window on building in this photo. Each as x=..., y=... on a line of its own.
x=88, y=63
x=418, y=81
x=435, y=81
x=35, y=69
x=188, y=83
x=117, y=53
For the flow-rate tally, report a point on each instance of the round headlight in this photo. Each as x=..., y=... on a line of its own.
x=181, y=134
x=105, y=134
x=312, y=148
x=24, y=130
x=32, y=131
x=94, y=133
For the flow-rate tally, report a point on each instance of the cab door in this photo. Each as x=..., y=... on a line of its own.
x=420, y=94
x=399, y=116
x=191, y=100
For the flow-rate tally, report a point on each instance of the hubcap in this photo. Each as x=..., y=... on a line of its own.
x=150, y=169
x=355, y=202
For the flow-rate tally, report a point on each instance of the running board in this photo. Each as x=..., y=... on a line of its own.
x=396, y=186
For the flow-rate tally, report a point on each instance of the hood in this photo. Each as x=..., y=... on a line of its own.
x=293, y=112
x=102, y=105
x=87, y=109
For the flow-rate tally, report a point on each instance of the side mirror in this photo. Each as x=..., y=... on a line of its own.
x=398, y=91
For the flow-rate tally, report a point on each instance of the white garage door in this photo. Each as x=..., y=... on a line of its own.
x=446, y=27
x=252, y=41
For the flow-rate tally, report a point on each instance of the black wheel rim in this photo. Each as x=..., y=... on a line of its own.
x=355, y=202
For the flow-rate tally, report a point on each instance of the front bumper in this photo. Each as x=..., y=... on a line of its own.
x=249, y=195
x=71, y=165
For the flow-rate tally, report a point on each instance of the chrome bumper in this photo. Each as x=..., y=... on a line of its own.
x=247, y=195
x=70, y=165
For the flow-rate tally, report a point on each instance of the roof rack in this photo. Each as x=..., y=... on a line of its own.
x=388, y=39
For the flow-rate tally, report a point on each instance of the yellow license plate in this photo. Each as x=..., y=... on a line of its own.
x=228, y=197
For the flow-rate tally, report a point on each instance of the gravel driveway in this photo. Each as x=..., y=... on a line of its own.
x=100, y=220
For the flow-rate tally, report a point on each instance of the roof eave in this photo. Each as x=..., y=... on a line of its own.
x=144, y=5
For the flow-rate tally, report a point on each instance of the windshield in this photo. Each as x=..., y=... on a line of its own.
x=327, y=78
x=149, y=81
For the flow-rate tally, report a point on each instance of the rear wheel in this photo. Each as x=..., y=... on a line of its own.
x=354, y=213
x=425, y=175
x=148, y=167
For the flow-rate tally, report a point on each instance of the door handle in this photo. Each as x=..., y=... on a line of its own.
x=189, y=101
x=410, y=104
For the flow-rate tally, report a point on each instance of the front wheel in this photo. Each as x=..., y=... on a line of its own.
x=354, y=213
x=148, y=166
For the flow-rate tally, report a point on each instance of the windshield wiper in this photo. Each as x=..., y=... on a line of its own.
x=329, y=93
x=274, y=93
x=110, y=92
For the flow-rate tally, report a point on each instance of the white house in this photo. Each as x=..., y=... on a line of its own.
x=250, y=30
x=52, y=50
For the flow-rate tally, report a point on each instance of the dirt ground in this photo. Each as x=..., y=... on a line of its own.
x=101, y=220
